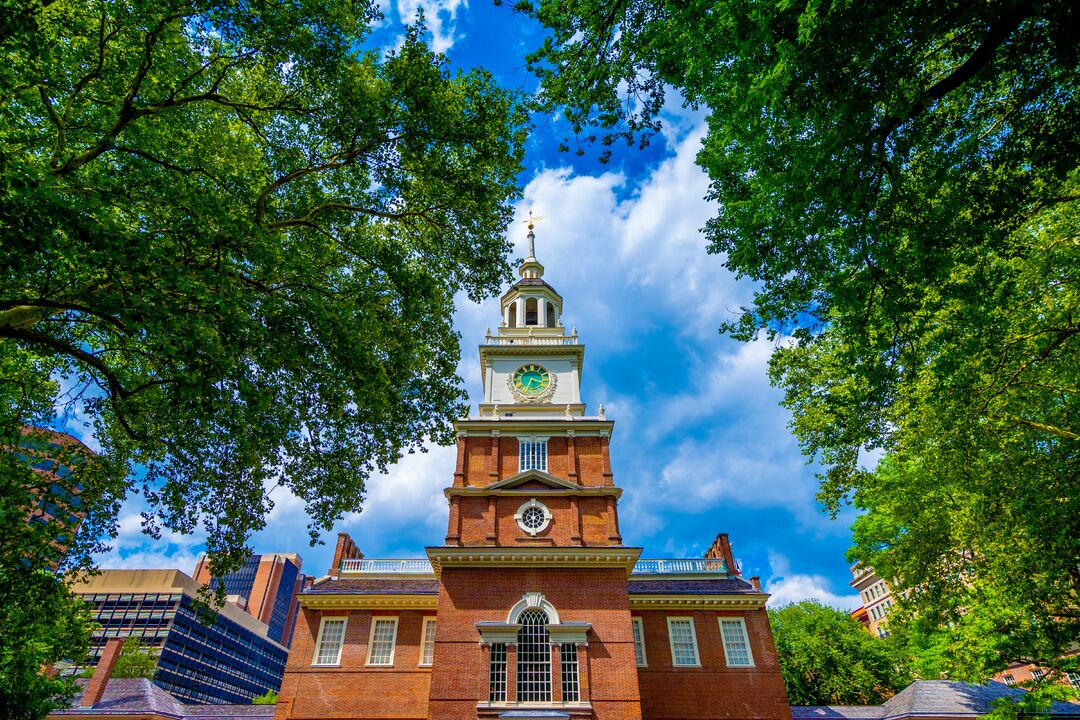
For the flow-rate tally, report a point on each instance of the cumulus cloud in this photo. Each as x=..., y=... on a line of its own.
x=787, y=587
x=440, y=17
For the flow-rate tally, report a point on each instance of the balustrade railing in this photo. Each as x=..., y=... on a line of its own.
x=421, y=566
x=531, y=340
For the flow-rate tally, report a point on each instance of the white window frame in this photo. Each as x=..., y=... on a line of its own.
x=693, y=638
x=319, y=640
x=428, y=620
x=371, y=641
x=542, y=452
x=721, y=619
x=639, y=628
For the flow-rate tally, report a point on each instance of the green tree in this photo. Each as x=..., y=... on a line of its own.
x=268, y=698
x=135, y=661
x=828, y=658
x=43, y=624
x=230, y=238
x=901, y=179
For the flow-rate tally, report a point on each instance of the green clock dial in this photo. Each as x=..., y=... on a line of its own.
x=531, y=379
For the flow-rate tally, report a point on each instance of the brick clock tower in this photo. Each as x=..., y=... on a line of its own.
x=533, y=608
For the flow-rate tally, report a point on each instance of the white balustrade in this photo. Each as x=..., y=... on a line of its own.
x=394, y=566
x=680, y=566
x=531, y=340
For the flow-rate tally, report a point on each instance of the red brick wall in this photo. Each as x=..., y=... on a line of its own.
x=486, y=521
x=470, y=595
x=712, y=691
x=353, y=690
x=590, y=466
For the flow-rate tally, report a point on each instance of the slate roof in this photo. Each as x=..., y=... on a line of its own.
x=929, y=699
x=712, y=586
x=375, y=586
x=139, y=696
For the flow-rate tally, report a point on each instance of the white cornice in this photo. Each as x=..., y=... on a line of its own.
x=511, y=426
x=699, y=602
x=580, y=492
x=546, y=557
x=359, y=601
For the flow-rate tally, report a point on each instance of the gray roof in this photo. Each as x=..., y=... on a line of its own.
x=712, y=586
x=375, y=586
x=929, y=698
x=139, y=696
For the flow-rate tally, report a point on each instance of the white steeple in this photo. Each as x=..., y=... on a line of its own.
x=531, y=365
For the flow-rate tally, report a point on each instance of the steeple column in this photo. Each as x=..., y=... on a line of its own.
x=541, y=309
x=520, y=303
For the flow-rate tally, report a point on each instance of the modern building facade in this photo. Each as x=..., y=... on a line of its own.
x=52, y=456
x=533, y=606
x=265, y=588
x=231, y=661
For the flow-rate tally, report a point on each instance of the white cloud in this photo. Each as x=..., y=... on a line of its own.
x=786, y=587
x=440, y=17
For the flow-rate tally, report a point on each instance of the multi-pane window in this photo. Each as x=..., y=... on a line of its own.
x=639, y=642
x=571, y=687
x=497, y=677
x=683, y=642
x=532, y=455
x=1038, y=674
x=1009, y=680
x=381, y=643
x=1074, y=679
x=736, y=643
x=427, y=648
x=331, y=638
x=533, y=657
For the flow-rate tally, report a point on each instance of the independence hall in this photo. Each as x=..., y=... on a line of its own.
x=533, y=607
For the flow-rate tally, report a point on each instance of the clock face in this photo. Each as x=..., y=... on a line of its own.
x=531, y=379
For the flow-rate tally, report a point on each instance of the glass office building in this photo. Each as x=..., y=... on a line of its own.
x=231, y=661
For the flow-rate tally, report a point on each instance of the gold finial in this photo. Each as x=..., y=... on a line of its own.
x=533, y=219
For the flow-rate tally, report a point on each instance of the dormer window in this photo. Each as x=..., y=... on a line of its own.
x=532, y=455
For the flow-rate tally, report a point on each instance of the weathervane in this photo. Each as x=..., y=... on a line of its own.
x=532, y=236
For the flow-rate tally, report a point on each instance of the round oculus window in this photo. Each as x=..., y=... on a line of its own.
x=533, y=517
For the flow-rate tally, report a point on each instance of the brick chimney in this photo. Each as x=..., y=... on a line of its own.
x=346, y=550
x=721, y=550
x=96, y=689
x=756, y=582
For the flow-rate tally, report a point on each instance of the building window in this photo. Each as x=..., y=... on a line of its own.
x=1038, y=674
x=736, y=643
x=381, y=641
x=427, y=647
x=533, y=657
x=571, y=687
x=532, y=455
x=1009, y=680
x=533, y=517
x=497, y=677
x=639, y=642
x=331, y=638
x=683, y=640
x=1074, y=679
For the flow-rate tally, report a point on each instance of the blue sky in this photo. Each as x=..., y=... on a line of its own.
x=700, y=445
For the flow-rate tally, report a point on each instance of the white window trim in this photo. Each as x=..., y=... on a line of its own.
x=319, y=640
x=639, y=623
x=746, y=636
x=693, y=636
x=371, y=641
x=423, y=640
x=522, y=439
x=533, y=503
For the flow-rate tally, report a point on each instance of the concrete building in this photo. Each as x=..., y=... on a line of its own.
x=533, y=606
x=876, y=599
x=265, y=587
x=231, y=661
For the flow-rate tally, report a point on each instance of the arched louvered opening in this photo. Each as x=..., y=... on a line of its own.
x=512, y=319
x=530, y=312
x=534, y=657
x=550, y=315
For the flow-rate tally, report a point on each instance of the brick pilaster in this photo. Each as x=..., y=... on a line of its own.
x=556, y=673
x=511, y=672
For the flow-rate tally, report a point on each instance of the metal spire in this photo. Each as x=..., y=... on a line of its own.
x=531, y=222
